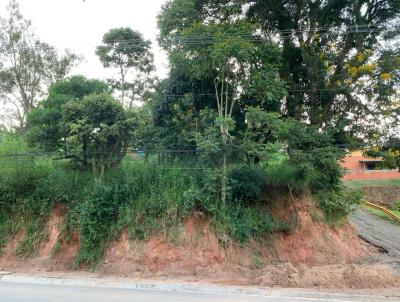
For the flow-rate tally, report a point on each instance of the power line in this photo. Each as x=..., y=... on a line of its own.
x=208, y=39
x=290, y=90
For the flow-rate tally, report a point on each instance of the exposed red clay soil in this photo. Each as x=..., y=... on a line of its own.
x=312, y=255
x=7, y=258
x=44, y=260
x=313, y=242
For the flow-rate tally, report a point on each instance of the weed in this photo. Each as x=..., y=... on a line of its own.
x=258, y=262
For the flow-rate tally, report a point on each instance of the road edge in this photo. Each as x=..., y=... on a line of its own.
x=191, y=288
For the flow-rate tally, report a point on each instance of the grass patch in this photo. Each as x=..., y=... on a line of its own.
x=382, y=215
x=357, y=184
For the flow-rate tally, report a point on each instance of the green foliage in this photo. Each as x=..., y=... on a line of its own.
x=84, y=123
x=333, y=62
x=243, y=222
x=293, y=154
x=338, y=204
x=358, y=184
x=27, y=65
x=156, y=199
x=21, y=187
x=258, y=262
x=98, y=131
x=75, y=87
x=97, y=213
x=144, y=135
x=233, y=62
x=46, y=129
x=126, y=49
x=397, y=205
x=123, y=47
x=389, y=151
x=315, y=156
x=283, y=174
x=247, y=183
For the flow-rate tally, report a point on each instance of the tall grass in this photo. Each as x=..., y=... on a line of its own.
x=145, y=199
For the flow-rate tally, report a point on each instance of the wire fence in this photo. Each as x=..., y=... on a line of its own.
x=138, y=154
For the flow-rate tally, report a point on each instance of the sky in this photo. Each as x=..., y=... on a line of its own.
x=79, y=25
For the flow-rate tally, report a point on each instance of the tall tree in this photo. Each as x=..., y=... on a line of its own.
x=238, y=67
x=28, y=66
x=335, y=56
x=127, y=50
x=339, y=58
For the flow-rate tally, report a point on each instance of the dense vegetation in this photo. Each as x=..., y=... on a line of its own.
x=243, y=116
x=146, y=199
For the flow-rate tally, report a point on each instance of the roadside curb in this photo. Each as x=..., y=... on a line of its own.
x=191, y=288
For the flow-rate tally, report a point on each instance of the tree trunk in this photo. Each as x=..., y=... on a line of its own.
x=224, y=168
x=122, y=86
x=224, y=179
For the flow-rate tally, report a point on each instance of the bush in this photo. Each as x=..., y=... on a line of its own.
x=247, y=183
x=283, y=173
x=97, y=213
x=244, y=222
x=338, y=204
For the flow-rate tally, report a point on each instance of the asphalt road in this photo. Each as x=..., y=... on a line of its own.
x=377, y=231
x=380, y=233
x=23, y=292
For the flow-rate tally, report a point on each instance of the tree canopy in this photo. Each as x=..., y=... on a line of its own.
x=27, y=65
x=126, y=50
x=82, y=122
x=339, y=58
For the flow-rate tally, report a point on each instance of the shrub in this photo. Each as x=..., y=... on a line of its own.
x=247, y=183
x=338, y=204
x=283, y=173
x=245, y=222
x=97, y=213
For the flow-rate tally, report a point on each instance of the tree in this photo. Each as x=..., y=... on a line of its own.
x=335, y=59
x=144, y=136
x=28, y=66
x=389, y=151
x=305, y=156
x=98, y=132
x=127, y=50
x=82, y=122
x=237, y=66
x=45, y=127
x=339, y=58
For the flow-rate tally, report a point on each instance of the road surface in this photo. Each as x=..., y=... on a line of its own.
x=380, y=233
x=23, y=292
x=377, y=231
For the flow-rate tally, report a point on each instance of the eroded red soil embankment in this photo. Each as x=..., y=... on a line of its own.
x=312, y=255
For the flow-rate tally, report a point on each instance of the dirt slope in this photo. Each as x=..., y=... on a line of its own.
x=386, y=196
x=312, y=255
